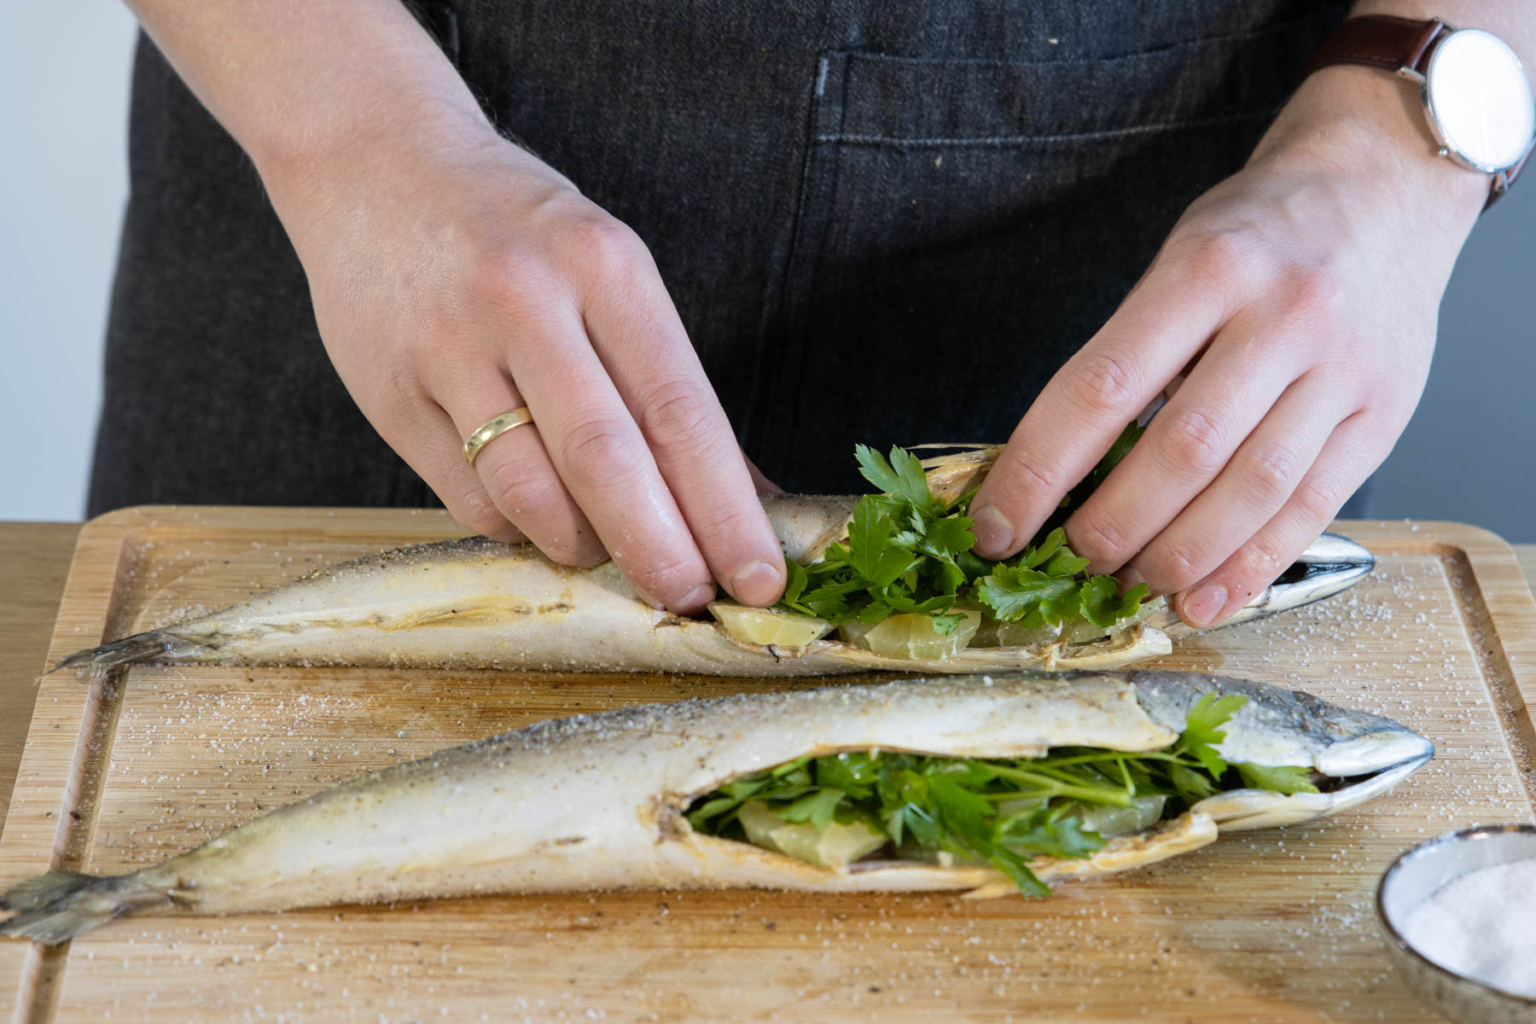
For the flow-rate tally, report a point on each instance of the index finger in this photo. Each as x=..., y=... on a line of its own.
x=643, y=344
x=1161, y=325
x=603, y=461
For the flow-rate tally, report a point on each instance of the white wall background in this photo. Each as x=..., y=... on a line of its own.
x=63, y=180
x=63, y=111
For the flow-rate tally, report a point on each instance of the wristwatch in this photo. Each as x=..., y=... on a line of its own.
x=1476, y=96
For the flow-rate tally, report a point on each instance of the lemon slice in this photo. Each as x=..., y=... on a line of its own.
x=765, y=626
x=912, y=636
x=831, y=847
x=1014, y=634
x=1143, y=813
x=1083, y=631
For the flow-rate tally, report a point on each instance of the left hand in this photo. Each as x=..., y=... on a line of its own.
x=1298, y=299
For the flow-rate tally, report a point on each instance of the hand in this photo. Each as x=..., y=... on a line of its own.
x=1297, y=301
x=455, y=277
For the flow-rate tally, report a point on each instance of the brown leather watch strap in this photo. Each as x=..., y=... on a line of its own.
x=1393, y=44
x=1378, y=40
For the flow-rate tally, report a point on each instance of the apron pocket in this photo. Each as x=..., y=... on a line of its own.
x=965, y=225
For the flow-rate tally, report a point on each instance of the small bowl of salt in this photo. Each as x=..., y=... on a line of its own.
x=1459, y=915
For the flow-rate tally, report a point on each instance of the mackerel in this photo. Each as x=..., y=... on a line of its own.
x=598, y=802
x=478, y=603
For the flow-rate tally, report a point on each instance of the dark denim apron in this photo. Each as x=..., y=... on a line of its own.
x=886, y=221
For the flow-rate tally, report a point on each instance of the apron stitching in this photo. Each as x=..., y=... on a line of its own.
x=1020, y=140
x=1259, y=35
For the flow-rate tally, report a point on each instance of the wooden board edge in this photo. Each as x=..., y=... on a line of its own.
x=65, y=698
x=52, y=815
x=1500, y=615
x=38, y=828
x=1507, y=639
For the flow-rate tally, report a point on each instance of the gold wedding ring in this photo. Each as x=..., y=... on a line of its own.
x=492, y=429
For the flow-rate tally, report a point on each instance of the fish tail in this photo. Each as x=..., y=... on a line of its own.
x=62, y=904
x=151, y=646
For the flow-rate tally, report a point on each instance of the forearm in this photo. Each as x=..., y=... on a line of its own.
x=298, y=83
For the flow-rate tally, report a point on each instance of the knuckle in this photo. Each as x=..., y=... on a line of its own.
x=525, y=491
x=1103, y=382
x=1018, y=483
x=1262, y=560
x=1099, y=539
x=729, y=522
x=606, y=246
x=476, y=511
x=1272, y=470
x=1032, y=479
x=597, y=451
x=1194, y=441
x=1218, y=258
x=1314, y=292
x=677, y=414
x=1320, y=495
x=667, y=578
x=507, y=279
x=1176, y=566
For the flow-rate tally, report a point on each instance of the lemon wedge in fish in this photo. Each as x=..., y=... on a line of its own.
x=830, y=847
x=912, y=636
x=767, y=626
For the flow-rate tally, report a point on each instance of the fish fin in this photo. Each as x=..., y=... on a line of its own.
x=952, y=476
x=61, y=904
x=151, y=646
x=41, y=889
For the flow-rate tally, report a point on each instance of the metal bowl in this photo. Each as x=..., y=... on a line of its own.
x=1412, y=879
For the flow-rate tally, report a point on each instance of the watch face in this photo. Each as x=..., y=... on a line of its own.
x=1480, y=101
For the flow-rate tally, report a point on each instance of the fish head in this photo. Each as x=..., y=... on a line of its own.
x=1332, y=564
x=1356, y=754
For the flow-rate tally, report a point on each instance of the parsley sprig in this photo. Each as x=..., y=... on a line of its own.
x=910, y=552
x=956, y=805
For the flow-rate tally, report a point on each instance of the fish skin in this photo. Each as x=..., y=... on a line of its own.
x=1287, y=727
x=1275, y=727
x=597, y=801
x=478, y=603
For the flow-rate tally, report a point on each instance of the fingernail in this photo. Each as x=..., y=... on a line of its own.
x=695, y=599
x=994, y=533
x=756, y=583
x=1203, y=605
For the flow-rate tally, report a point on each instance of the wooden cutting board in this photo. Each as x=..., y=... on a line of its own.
x=1268, y=926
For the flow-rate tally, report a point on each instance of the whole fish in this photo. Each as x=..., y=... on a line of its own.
x=477, y=603
x=599, y=801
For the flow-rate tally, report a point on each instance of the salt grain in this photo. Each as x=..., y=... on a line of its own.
x=1482, y=926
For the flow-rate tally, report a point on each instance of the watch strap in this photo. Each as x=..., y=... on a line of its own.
x=1378, y=41
x=1395, y=44
x=1505, y=180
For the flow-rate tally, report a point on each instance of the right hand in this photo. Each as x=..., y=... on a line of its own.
x=455, y=277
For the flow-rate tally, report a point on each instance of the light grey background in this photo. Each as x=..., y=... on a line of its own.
x=63, y=107
x=63, y=178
